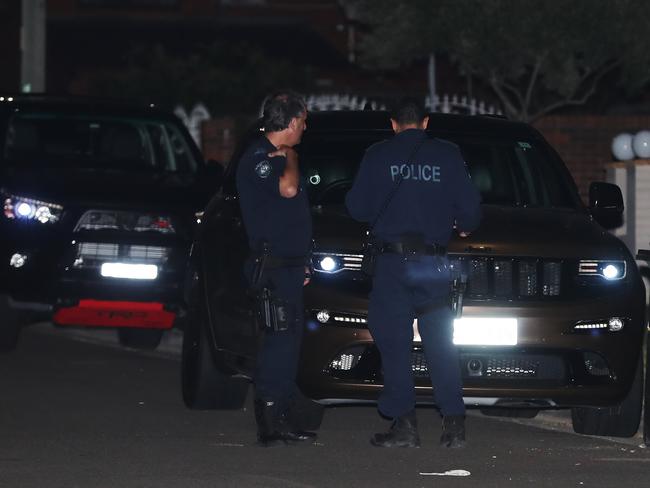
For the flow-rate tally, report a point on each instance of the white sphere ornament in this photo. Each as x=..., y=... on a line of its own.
x=641, y=144
x=622, y=147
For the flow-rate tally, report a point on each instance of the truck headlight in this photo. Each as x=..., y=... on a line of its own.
x=21, y=208
x=611, y=270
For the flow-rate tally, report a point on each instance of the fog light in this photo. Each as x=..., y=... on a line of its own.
x=323, y=316
x=18, y=260
x=616, y=324
x=595, y=364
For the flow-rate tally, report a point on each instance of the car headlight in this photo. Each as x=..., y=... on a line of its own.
x=326, y=263
x=611, y=270
x=20, y=208
x=335, y=262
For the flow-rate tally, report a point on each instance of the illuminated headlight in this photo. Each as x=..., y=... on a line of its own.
x=610, y=270
x=129, y=271
x=336, y=262
x=328, y=264
x=18, y=208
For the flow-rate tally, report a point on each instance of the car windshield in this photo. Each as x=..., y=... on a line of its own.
x=54, y=140
x=508, y=172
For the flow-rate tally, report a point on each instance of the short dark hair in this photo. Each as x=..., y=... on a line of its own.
x=279, y=108
x=408, y=110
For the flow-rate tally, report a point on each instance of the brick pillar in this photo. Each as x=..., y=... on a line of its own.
x=218, y=139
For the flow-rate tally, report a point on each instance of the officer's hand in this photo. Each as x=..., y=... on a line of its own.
x=283, y=151
x=463, y=234
x=307, y=276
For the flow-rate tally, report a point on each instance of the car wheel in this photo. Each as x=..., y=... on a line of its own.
x=9, y=326
x=147, y=339
x=518, y=413
x=619, y=421
x=206, y=387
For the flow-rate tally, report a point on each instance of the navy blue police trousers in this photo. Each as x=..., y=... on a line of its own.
x=277, y=359
x=400, y=287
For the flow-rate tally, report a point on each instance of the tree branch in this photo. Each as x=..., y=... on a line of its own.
x=497, y=87
x=533, y=79
x=570, y=100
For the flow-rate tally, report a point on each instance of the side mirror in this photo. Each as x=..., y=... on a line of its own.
x=606, y=204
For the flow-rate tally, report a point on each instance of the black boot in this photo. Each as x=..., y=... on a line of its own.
x=402, y=433
x=453, y=431
x=267, y=434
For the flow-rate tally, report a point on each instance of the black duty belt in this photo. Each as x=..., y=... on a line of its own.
x=426, y=249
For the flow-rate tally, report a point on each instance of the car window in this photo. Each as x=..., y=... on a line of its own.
x=94, y=142
x=508, y=172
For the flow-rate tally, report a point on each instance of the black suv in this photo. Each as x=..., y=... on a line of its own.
x=99, y=206
x=554, y=311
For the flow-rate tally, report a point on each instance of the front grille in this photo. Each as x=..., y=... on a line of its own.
x=499, y=366
x=93, y=254
x=511, y=368
x=510, y=278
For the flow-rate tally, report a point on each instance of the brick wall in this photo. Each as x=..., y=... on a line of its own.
x=584, y=142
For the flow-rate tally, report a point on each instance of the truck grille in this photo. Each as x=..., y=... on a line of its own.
x=489, y=277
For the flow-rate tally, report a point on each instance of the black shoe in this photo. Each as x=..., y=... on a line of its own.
x=292, y=433
x=273, y=429
x=453, y=431
x=402, y=433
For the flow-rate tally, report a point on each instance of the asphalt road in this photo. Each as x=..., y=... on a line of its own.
x=82, y=414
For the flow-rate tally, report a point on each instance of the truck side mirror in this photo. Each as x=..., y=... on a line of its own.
x=606, y=204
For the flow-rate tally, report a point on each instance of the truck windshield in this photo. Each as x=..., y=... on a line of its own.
x=54, y=140
x=508, y=172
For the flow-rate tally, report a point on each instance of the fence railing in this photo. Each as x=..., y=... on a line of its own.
x=447, y=104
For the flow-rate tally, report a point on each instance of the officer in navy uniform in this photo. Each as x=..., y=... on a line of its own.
x=277, y=219
x=432, y=197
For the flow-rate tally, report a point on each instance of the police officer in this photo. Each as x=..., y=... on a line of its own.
x=277, y=219
x=416, y=191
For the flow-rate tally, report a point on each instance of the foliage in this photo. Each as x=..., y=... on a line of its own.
x=228, y=78
x=536, y=55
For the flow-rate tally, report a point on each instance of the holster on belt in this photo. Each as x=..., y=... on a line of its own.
x=458, y=287
x=274, y=314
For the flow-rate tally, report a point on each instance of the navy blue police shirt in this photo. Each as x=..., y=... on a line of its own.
x=283, y=223
x=435, y=193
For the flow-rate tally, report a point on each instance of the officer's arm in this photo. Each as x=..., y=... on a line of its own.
x=468, y=202
x=290, y=178
x=357, y=200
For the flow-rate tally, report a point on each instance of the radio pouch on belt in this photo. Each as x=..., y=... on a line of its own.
x=274, y=314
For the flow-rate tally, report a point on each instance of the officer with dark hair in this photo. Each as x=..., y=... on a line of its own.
x=277, y=219
x=415, y=192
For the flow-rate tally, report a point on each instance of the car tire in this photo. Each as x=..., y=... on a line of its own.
x=646, y=399
x=204, y=385
x=620, y=421
x=518, y=413
x=10, y=326
x=145, y=339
